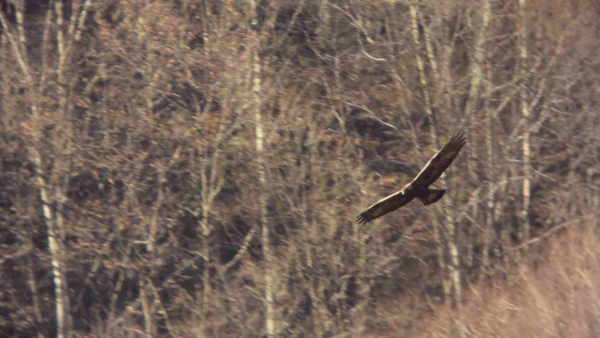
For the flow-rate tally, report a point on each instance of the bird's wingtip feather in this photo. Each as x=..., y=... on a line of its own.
x=361, y=219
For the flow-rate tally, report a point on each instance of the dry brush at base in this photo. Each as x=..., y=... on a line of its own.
x=136, y=199
x=556, y=294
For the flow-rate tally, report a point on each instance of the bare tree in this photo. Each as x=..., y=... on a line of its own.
x=50, y=177
x=254, y=77
x=144, y=148
x=525, y=226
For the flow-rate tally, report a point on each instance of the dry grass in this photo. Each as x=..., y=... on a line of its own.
x=556, y=296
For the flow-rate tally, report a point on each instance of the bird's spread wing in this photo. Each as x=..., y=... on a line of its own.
x=385, y=205
x=440, y=161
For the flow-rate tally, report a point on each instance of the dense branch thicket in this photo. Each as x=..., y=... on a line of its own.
x=193, y=168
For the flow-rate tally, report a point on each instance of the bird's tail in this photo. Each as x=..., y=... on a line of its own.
x=432, y=196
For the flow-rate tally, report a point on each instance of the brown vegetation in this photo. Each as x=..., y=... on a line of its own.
x=194, y=168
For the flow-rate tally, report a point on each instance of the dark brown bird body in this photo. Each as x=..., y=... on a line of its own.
x=419, y=186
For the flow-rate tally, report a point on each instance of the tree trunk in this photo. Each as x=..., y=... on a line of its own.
x=525, y=227
x=269, y=323
x=490, y=168
x=146, y=310
x=415, y=35
x=475, y=63
x=53, y=245
x=420, y=67
x=452, y=279
x=262, y=197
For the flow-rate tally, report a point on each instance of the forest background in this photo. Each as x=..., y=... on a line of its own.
x=193, y=168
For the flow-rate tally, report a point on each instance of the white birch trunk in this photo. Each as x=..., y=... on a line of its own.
x=525, y=227
x=475, y=69
x=454, y=267
x=19, y=48
x=146, y=310
x=53, y=245
x=489, y=228
x=269, y=322
x=422, y=76
x=476, y=61
x=415, y=35
x=256, y=99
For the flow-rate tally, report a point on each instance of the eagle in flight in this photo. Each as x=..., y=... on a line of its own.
x=419, y=186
